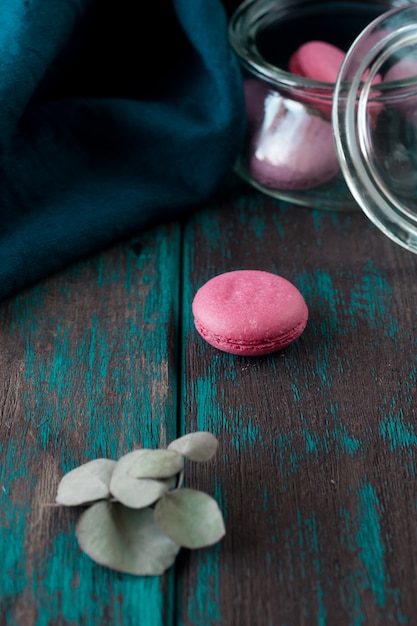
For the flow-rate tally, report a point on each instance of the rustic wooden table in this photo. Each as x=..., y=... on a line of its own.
x=316, y=468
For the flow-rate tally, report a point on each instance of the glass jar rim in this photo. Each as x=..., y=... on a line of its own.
x=379, y=43
x=239, y=26
x=352, y=97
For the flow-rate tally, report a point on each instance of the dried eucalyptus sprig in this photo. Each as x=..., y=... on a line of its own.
x=140, y=515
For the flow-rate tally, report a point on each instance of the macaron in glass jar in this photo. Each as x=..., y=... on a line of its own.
x=333, y=145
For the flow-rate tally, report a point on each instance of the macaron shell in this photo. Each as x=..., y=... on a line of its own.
x=249, y=312
x=317, y=60
x=404, y=99
x=256, y=93
x=321, y=61
x=295, y=149
x=406, y=68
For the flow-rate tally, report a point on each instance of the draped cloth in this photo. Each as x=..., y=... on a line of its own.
x=113, y=116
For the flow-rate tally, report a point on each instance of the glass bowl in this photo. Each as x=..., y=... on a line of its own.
x=291, y=151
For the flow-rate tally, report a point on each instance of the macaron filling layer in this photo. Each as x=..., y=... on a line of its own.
x=251, y=348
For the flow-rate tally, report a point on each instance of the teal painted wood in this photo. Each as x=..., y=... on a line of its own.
x=88, y=369
x=316, y=470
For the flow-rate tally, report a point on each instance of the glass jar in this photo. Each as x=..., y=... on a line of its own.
x=331, y=146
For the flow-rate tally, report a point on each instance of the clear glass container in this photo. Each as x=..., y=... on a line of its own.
x=376, y=135
x=333, y=146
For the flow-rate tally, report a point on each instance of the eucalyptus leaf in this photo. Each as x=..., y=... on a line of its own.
x=150, y=463
x=200, y=446
x=156, y=464
x=125, y=540
x=138, y=493
x=86, y=483
x=191, y=518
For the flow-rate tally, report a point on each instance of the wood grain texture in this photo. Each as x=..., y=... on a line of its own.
x=315, y=471
x=88, y=369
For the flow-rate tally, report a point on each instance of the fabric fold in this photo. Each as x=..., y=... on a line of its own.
x=106, y=133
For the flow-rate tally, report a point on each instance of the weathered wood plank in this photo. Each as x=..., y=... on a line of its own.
x=316, y=467
x=88, y=369
x=316, y=470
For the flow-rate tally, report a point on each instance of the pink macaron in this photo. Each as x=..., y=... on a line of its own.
x=402, y=96
x=294, y=149
x=317, y=60
x=249, y=312
x=321, y=61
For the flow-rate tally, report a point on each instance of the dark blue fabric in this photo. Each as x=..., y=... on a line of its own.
x=113, y=115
